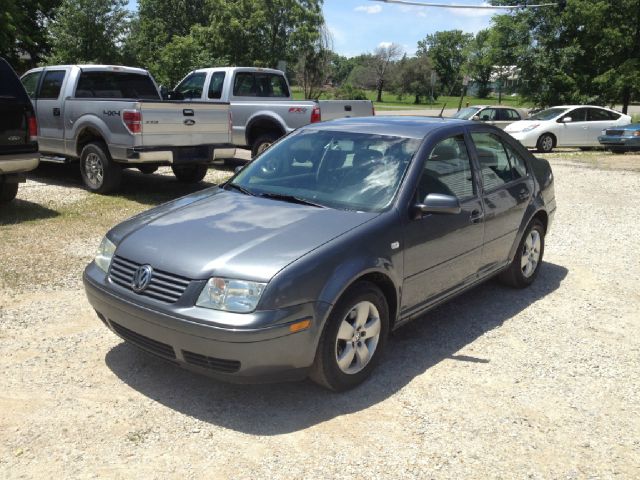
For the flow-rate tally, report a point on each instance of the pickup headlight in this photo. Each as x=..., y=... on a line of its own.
x=105, y=254
x=239, y=296
x=531, y=127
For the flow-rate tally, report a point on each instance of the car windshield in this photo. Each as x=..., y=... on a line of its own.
x=466, y=113
x=548, y=114
x=342, y=170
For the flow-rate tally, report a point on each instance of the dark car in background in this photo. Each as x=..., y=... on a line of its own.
x=18, y=133
x=304, y=261
x=621, y=139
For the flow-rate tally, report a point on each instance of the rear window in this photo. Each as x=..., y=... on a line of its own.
x=10, y=86
x=116, y=85
x=249, y=84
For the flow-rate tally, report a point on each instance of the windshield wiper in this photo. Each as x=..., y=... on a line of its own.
x=239, y=188
x=291, y=199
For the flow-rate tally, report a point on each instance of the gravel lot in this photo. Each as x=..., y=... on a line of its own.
x=542, y=383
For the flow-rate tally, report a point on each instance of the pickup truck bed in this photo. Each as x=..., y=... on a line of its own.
x=110, y=118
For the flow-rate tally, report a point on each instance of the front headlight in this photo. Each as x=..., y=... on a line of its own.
x=531, y=127
x=105, y=254
x=239, y=296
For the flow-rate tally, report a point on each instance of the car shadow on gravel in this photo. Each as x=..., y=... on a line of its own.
x=19, y=211
x=152, y=189
x=287, y=407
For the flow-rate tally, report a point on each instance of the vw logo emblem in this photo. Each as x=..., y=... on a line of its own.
x=141, y=278
x=189, y=122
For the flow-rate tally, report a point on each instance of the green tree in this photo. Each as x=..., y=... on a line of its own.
x=480, y=61
x=447, y=53
x=89, y=31
x=414, y=77
x=313, y=69
x=24, y=39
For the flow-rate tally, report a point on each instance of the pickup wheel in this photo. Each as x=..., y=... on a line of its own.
x=8, y=191
x=99, y=172
x=190, y=173
x=262, y=143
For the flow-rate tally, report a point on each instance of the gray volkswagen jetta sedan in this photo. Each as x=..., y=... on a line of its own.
x=304, y=261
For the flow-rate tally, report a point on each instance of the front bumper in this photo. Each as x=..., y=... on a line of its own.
x=18, y=162
x=631, y=143
x=527, y=139
x=243, y=355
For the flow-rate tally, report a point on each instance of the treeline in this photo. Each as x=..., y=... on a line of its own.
x=581, y=51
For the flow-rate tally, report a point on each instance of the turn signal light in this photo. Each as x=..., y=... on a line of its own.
x=300, y=325
x=315, y=115
x=132, y=120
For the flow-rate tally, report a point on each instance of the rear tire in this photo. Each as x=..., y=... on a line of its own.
x=526, y=263
x=100, y=173
x=545, y=143
x=8, y=192
x=353, y=338
x=262, y=143
x=190, y=173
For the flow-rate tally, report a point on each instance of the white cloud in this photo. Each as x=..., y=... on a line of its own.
x=385, y=44
x=370, y=9
x=419, y=11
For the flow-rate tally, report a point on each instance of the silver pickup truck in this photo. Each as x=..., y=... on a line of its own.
x=261, y=104
x=112, y=117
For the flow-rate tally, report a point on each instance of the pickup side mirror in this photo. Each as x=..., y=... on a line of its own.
x=566, y=120
x=164, y=92
x=439, y=203
x=173, y=95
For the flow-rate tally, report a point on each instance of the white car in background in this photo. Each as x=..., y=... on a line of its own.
x=566, y=126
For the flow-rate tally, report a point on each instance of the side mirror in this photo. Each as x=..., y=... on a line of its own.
x=475, y=118
x=164, y=92
x=173, y=95
x=238, y=168
x=566, y=120
x=439, y=203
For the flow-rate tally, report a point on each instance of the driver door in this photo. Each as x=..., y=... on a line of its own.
x=443, y=251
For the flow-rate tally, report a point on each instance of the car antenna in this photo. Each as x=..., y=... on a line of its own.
x=442, y=111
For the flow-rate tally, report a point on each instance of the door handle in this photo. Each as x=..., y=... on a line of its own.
x=56, y=112
x=476, y=216
x=187, y=112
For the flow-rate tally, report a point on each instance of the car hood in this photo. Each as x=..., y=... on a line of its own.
x=230, y=234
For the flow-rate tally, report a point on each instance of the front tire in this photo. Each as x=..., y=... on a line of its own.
x=190, y=173
x=8, y=192
x=526, y=263
x=100, y=173
x=545, y=143
x=353, y=338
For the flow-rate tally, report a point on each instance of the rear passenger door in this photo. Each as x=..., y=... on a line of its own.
x=50, y=110
x=507, y=187
x=443, y=251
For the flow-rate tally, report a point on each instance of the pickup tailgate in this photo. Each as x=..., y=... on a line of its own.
x=178, y=124
x=332, y=109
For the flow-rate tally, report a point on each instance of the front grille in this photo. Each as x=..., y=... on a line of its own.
x=218, y=364
x=164, y=286
x=617, y=133
x=161, y=349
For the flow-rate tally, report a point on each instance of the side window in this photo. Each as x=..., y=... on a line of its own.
x=51, y=85
x=613, y=115
x=279, y=86
x=577, y=115
x=494, y=161
x=598, y=115
x=518, y=164
x=244, y=85
x=215, y=86
x=30, y=83
x=447, y=170
x=488, y=114
x=512, y=115
x=191, y=87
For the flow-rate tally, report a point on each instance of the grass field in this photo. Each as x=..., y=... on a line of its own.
x=391, y=101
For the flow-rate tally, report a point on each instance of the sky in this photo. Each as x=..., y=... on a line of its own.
x=360, y=26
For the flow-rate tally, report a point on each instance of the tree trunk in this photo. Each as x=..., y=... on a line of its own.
x=626, y=99
x=380, y=85
x=417, y=102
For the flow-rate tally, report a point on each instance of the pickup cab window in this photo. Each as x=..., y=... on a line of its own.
x=250, y=84
x=30, y=83
x=191, y=87
x=51, y=85
x=116, y=85
x=215, y=85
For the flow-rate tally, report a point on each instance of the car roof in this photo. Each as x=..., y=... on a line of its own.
x=397, y=126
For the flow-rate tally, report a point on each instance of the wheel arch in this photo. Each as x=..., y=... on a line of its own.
x=552, y=135
x=539, y=214
x=88, y=135
x=261, y=124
